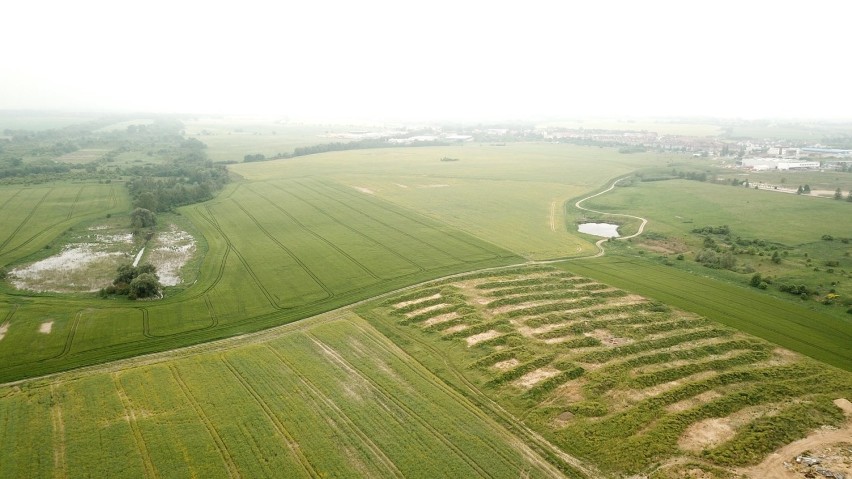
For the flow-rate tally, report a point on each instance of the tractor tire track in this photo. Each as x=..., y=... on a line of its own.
x=320, y=237
x=24, y=222
x=334, y=357
x=386, y=225
x=245, y=264
x=416, y=218
x=427, y=376
x=74, y=203
x=349, y=424
x=350, y=228
x=305, y=267
x=145, y=455
x=290, y=441
x=60, y=467
x=69, y=339
x=226, y=456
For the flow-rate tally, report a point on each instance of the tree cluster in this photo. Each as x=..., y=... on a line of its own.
x=135, y=282
x=713, y=259
x=189, y=178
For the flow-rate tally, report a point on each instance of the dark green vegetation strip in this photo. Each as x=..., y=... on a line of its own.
x=784, y=323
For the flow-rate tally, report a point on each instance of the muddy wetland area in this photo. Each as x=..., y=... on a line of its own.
x=90, y=256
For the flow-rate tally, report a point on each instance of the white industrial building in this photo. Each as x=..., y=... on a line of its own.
x=763, y=164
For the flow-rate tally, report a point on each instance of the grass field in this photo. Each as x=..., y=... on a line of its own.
x=329, y=398
x=511, y=196
x=791, y=225
x=624, y=383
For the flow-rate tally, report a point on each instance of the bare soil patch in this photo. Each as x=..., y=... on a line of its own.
x=426, y=309
x=635, y=395
x=506, y=365
x=478, y=338
x=416, y=301
x=512, y=307
x=77, y=268
x=706, y=434
x=833, y=448
x=3, y=330
x=456, y=328
x=367, y=191
x=694, y=401
x=169, y=252
x=46, y=327
x=563, y=419
x=534, y=377
x=714, y=431
x=441, y=318
x=607, y=338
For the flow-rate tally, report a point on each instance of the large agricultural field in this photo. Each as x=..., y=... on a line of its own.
x=421, y=312
x=329, y=397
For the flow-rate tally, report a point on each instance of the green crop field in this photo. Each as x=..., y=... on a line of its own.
x=34, y=215
x=277, y=251
x=512, y=196
x=621, y=382
x=329, y=398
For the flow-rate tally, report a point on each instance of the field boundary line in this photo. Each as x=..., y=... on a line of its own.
x=233, y=471
x=150, y=470
x=315, y=392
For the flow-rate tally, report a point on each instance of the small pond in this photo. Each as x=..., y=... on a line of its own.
x=604, y=230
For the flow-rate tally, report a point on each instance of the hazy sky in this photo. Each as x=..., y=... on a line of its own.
x=462, y=59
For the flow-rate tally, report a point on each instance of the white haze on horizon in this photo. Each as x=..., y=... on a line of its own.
x=448, y=60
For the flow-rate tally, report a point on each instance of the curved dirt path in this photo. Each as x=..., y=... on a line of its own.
x=773, y=465
x=600, y=242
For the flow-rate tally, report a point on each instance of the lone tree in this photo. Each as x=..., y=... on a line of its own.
x=142, y=218
x=800, y=190
x=807, y=189
x=837, y=194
